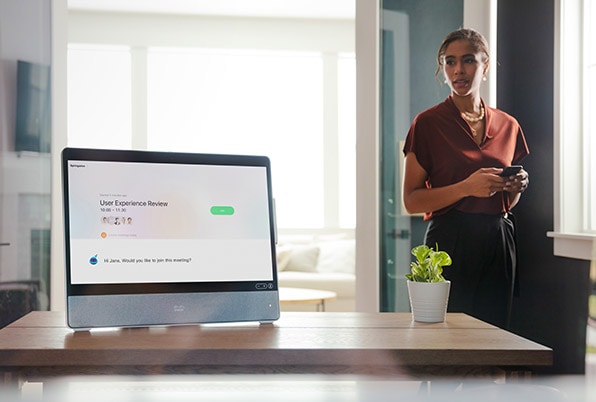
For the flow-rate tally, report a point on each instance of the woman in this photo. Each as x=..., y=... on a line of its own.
x=455, y=153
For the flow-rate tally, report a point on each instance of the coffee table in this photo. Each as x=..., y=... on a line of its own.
x=306, y=296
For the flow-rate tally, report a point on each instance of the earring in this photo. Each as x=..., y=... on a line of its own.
x=445, y=80
x=484, y=78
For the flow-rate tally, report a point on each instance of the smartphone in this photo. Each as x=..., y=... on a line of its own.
x=511, y=170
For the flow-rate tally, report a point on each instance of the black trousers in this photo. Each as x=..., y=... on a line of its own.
x=483, y=273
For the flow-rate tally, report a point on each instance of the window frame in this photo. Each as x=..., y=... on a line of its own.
x=571, y=173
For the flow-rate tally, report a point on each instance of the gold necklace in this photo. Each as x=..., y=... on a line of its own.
x=471, y=118
x=474, y=132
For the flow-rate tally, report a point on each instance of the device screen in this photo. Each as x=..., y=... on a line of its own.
x=133, y=222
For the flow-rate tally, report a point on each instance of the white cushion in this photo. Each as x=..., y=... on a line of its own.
x=303, y=259
x=283, y=257
x=337, y=256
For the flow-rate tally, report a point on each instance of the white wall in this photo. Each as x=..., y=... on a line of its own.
x=367, y=155
x=59, y=41
x=213, y=32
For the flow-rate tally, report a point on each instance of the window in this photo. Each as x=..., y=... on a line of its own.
x=575, y=124
x=297, y=107
x=99, y=102
x=347, y=140
x=255, y=102
x=590, y=105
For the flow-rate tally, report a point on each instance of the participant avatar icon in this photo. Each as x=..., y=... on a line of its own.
x=93, y=260
x=116, y=220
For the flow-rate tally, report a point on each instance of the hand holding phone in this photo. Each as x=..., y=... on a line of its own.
x=511, y=170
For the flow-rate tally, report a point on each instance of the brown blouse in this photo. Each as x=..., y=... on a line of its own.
x=445, y=148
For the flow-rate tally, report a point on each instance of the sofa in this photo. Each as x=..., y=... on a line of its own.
x=318, y=262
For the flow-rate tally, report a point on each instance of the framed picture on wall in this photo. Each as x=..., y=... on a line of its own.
x=33, y=107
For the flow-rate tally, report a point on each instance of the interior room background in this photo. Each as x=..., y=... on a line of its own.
x=553, y=307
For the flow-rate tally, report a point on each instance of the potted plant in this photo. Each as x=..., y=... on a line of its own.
x=427, y=288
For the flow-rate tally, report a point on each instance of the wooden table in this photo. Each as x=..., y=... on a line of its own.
x=40, y=345
x=306, y=296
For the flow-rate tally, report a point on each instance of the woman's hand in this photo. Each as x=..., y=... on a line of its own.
x=484, y=183
x=517, y=183
x=417, y=197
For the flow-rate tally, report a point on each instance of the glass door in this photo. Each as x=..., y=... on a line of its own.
x=395, y=118
x=24, y=157
x=411, y=33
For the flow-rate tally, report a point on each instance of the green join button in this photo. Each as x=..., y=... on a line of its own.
x=222, y=210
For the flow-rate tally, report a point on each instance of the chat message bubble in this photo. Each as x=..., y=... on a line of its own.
x=158, y=260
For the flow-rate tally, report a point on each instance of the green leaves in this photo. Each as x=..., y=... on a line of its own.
x=429, y=264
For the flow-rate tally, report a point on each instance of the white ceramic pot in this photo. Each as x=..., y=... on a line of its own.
x=428, y=301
